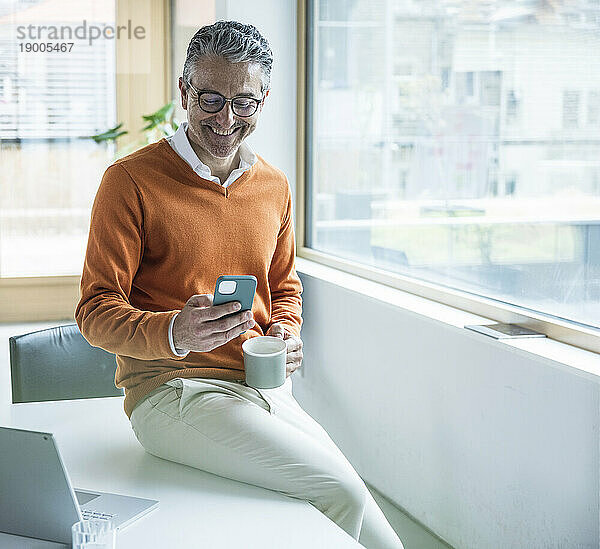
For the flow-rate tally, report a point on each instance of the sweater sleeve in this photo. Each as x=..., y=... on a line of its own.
x=115, y=246
x=285, y=285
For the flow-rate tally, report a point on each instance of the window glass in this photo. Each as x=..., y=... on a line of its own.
x=458, y=142
x=57, y=87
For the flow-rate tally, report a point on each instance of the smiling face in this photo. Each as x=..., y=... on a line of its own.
x=205, y=129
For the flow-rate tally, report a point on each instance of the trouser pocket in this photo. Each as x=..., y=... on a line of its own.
x=190, y=392
x=177, y=384
x=267, y=400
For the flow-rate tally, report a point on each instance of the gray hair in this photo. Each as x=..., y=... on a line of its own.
x=236, y=42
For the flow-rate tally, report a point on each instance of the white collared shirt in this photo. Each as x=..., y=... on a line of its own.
x=181, y=145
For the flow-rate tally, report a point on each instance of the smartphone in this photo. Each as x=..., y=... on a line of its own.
x=505, y=331
x=235, y=288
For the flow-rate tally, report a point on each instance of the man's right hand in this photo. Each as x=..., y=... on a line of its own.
x=200, y=326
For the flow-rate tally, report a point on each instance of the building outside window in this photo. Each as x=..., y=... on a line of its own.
x=476, y=166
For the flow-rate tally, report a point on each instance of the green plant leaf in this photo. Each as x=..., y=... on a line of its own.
x=109, y=135
x=160, y=122
x=161, y=115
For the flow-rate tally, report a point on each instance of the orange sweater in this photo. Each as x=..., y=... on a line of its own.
x=158, y=235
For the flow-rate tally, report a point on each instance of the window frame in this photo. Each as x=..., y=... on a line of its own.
x=562, y=330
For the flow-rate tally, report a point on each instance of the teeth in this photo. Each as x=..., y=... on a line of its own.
x=223, y=133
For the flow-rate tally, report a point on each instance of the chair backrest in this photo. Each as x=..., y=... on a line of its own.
x=59, y=364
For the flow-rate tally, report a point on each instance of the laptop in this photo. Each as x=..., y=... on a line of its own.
x=37, y=499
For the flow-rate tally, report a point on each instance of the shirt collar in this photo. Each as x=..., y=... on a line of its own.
x=181, y=143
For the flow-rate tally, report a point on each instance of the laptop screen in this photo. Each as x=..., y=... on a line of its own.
x=37, y=500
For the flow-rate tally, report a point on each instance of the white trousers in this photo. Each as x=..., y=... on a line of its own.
x=261, y=437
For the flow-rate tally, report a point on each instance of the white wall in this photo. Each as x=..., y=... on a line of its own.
x=487, y=446
x=275, y=136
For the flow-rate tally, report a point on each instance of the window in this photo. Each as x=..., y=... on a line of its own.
x=464, y=86
x=68, y=70
x=571, y=109
x=594, y=108
x=491, y=84
x=513, y=111
x=51, y=99
x=473, y=167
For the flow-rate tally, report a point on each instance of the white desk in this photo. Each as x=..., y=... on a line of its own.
x=196, y=509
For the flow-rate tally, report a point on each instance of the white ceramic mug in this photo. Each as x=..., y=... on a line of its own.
x=264, y=361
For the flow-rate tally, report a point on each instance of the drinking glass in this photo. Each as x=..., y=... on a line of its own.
x=94, y=534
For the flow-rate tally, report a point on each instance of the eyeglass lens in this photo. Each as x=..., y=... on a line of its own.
x=213, y=102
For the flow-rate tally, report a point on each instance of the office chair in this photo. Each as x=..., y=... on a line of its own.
x=59, y=364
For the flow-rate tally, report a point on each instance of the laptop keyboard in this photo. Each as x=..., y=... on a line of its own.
x=87, y=514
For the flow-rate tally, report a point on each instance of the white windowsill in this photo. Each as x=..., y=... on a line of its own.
x=566, y=357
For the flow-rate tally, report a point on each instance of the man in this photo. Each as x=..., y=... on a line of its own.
x=166, y=222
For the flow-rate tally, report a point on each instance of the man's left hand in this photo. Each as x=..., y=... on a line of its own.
x=294, y=347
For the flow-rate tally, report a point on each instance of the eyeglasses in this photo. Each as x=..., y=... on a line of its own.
x=213, y=102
